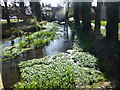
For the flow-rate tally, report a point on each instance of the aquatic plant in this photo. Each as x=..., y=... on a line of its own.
x=12, y=52
x=35, y=40
x=28, y=38
x=23, y=44
x=38, y=43
x=42, y=38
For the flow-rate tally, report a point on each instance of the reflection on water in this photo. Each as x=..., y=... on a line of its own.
x=15, y=41
x=10, y=72
x=59, y=45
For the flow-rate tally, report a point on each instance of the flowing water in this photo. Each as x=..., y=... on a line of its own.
x=10, y=71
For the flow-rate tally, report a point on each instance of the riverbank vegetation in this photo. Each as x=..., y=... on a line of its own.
x=92, y=62
x=31, y=41
x=63, y=70
x=101, y=42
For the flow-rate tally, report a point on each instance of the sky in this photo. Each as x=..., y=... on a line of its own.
x=52, y=2
x=55, y=2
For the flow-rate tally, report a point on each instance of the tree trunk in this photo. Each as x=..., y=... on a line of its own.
x=112, y=12
x=76, y=7
x=7, y=13
x=98, y=19
x=22, y=7
x=86, y=17
x=66, y=14
x=36, y=10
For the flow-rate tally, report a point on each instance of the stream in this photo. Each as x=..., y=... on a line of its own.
x=10, y=71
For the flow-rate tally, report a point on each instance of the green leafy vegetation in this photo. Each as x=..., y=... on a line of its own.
x=12, y=52
x=59, y=71
x=102, y=50
x=85, y=59
x=84, y=42
x=35, y=40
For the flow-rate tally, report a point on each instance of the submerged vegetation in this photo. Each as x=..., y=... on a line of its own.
x=60, y=71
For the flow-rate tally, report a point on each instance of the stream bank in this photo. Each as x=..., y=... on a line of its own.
x=10, y=71
x=73, y=69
